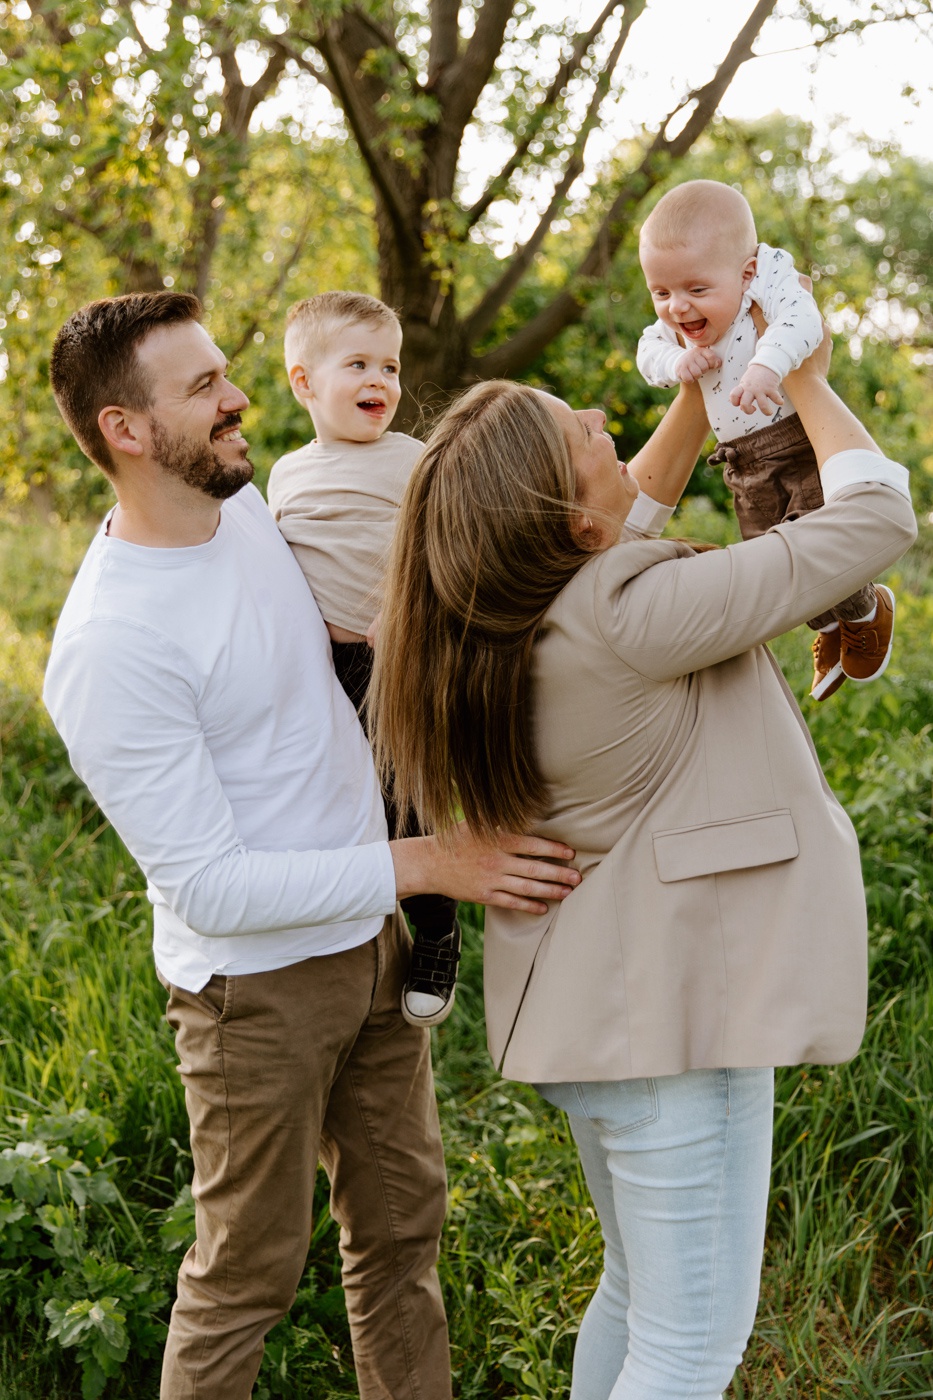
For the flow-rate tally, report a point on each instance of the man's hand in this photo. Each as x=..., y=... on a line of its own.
x=515, y=873
x=758, y=388
x=695, y=362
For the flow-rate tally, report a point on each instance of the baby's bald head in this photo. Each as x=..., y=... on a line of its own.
x=691, y=212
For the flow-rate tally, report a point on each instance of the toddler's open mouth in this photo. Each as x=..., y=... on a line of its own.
x=373, y=407
x=693, y=330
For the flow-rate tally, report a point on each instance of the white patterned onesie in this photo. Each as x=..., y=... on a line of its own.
x=794, y=330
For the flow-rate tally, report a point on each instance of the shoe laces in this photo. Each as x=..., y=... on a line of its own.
x=861, y=638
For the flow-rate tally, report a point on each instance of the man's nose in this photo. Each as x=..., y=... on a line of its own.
x=233, y=400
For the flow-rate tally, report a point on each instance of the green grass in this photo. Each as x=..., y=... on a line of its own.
x=847, y=1297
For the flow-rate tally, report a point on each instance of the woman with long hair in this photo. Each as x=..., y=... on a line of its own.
x=545, y=662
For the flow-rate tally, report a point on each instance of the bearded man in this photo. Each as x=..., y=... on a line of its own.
x=191, y=679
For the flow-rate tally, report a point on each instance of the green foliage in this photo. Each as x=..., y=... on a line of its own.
x=104, y=1210
x=51, y=1177
x=123, y=168
x=135, y=154
x=98, y=1331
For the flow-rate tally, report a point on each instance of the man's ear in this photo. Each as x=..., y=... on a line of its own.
x=748, y=271
x=121, y=430
x=301, y=383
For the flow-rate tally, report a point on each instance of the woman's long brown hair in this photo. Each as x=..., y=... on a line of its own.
x=488, y=536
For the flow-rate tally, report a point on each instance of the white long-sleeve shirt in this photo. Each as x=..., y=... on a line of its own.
x=195, y=691
x=794, y=330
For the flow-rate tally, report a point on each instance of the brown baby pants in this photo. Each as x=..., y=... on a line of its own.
x=280, y=1069
x=773, y=476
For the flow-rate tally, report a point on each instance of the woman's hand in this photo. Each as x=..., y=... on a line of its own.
x=516, y=873
x=818, y=361
x=816, y=364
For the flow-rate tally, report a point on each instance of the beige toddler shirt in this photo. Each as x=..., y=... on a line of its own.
x=336, y=505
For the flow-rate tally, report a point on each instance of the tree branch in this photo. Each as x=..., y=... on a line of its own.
x=358, y=117
x=498, y=294
x=856, y=26
x=297, y=56
x=241, y=101
x=518, y=352
x=279, y=282
x=125, y=7
x=445, y=38
x=582, y=44
x=460, y=84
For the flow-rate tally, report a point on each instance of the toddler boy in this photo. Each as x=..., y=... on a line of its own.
x=335, y=501
x=704, y=267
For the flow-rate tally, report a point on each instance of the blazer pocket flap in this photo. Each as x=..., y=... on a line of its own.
x=708, y=849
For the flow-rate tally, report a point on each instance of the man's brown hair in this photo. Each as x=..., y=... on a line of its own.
x=94, y=361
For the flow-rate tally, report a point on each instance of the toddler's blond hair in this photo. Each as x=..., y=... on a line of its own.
x=310, y=323
x=700, y=204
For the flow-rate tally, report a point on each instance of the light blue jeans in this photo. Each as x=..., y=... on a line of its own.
x=678, y=1169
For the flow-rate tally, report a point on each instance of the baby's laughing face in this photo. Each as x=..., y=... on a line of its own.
x=697, y=288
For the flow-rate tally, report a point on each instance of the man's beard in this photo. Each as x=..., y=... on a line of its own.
x=199, y=465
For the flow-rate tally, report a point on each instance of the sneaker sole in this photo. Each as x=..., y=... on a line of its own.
x=867, y=680
x=829, y=684
x=428, y=1021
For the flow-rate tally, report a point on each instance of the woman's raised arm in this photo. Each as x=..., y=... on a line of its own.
x=830, y=426
x=662, y=467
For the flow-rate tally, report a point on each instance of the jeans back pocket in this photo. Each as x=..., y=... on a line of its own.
x=618, y=1105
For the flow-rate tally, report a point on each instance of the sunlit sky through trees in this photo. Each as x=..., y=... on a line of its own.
x=877, y=83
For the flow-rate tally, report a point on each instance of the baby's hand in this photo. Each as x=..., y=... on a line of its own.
x=758, y=388
x=694, y=364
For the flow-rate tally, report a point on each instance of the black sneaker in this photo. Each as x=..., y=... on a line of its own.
x=428, y=995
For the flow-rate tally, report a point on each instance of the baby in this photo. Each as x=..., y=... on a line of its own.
x=335, y=501
x=705, y=267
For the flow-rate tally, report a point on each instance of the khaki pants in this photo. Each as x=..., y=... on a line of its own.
x=282, y=1068
x=773, y=476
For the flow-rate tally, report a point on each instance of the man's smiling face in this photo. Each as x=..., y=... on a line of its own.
x=194, y=412
x=354, y=385
x=697, y=288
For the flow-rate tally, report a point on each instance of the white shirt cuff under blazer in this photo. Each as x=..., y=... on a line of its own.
x=859, y=464
x=647, y=518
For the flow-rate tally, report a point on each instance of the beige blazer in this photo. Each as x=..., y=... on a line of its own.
x=721, y=920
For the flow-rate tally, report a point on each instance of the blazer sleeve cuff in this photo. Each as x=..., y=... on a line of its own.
x=647, y=518
x=857, y=465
